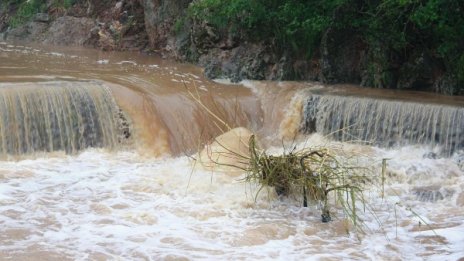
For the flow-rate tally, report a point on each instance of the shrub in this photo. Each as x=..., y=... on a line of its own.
x=400, y=27
x=26, y=10
x=294, y=25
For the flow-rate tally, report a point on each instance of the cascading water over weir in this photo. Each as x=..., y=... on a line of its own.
x=73, y=115
x=385, y=123
x=58, y=116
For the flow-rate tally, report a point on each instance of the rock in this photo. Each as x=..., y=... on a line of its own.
x=447, y=84
x=30, y=32
x=69, y=30
x=226, y=151
x=180, y=44
x=204, y=37
x=341, y=59
x=417, y=72
x=460, y=200
x=379, y=67
x=310, y=114
x=160, y=16
x=460, y=160
x=94, y=37
x=121, y=26
x=118, y=5
x=213, y=69
x=127, y=26
x=3, y=19
x=430, y=155
x=432, y=193
x=42, y=18
x=106, y=37
x=106, y=40
x=247, y=61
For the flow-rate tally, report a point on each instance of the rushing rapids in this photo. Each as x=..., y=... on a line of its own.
x=150, y=200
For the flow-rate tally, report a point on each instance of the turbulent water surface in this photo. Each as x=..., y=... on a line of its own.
x=98, y=155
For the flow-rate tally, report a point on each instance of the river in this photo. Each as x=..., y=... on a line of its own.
x=98, y=162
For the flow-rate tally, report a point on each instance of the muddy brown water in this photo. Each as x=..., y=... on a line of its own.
x=166, y=102
x=137, y=199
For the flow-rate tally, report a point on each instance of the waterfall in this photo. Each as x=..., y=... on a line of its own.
x=58, y=116
x=385, y=123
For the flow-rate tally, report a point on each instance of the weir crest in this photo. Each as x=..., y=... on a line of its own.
x=59, y=116
x=385, y=123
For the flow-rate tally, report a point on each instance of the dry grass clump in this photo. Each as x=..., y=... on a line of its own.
x=316, y=175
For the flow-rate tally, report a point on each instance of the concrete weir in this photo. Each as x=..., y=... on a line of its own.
x=58, y=116
x=385, y=123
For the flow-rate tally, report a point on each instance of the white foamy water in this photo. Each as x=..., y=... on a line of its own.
x=104, y=206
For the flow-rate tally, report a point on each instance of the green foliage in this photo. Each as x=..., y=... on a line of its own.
x=460, y=72
x=64, y=3
x=179, y=24
x=26, y=10
x=294, y=25
x=69, y=3
x=7, y=3
x=435, y=27
x=400, y=28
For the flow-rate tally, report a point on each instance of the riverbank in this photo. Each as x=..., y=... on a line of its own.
x=321, y=41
